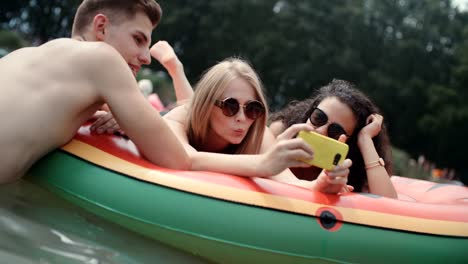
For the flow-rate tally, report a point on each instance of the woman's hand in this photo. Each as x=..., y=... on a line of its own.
x=334, y=181
x=164, y=53
x=105, y=123
x=287, y=151
x=373, y=127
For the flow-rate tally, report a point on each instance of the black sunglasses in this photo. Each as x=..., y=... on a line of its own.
x=318, y=118
x=230, y=106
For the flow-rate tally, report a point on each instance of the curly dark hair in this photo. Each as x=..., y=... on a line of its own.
x=299, y=111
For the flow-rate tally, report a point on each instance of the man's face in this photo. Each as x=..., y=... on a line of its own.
x=132, y=38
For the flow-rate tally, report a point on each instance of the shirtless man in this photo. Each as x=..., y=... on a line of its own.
x=48, y=92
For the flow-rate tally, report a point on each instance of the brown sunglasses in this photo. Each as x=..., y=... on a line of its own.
x=230, y=106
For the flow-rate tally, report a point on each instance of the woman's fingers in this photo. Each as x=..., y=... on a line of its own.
x=342, y=138
x=369, y=119
x=292, y=131
x=286, y=154
x=286, y=142
x=374, y=125
x=295, y=143
x=291, y=153
x=376, y=119
x=341, y=170
x=298, y=155
x=343, y=166
x=164, y=53
x=339, y=174
x=157, y=50
x=337, y=180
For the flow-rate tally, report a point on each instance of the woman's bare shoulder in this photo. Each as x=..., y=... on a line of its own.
x=277, y=127
x=178, y=114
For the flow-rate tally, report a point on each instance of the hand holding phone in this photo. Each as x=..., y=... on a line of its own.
x=328, y=152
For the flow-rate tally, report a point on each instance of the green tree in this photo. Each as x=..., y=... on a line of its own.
x=39, y=20
x=10, y=40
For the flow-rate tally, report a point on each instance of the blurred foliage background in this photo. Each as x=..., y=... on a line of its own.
x=410, y=56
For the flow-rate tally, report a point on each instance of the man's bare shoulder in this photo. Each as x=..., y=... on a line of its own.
x=96, y=60
x=89, y=52
x=277, y=127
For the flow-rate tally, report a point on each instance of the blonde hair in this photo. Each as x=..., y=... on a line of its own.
x=209, y=89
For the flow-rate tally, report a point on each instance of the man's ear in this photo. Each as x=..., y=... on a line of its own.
x=100, y=23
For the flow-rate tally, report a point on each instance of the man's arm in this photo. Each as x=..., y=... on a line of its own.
x=164, y=53
x=143, y=124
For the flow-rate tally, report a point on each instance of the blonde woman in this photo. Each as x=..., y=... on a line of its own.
x=228, y=115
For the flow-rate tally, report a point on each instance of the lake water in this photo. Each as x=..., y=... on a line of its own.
x=36, y=226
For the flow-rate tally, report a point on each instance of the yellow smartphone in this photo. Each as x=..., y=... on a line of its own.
x=328, y=152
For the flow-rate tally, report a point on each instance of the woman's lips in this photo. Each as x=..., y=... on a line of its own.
x=239, y=132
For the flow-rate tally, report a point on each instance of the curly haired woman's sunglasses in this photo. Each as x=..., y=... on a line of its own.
x=230, y=107
x=318, y=118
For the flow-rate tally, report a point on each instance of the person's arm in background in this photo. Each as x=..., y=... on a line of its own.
x=164, y=53
x=377, y=177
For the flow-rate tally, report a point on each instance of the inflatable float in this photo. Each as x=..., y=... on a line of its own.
x=230, y=219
